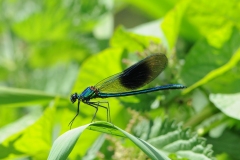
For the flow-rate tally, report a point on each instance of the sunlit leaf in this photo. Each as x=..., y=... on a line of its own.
x=18, y=144
x=213, y=23
x=17, y=126
x=65, y=143
x=227, y=103
x=205, y=62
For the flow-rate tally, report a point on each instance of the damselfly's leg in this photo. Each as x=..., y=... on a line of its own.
x=97, y=104
x=108, y=112
x=96, y=107
x=75, y=115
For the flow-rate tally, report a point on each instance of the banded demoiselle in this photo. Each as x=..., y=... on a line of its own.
x=125, y=83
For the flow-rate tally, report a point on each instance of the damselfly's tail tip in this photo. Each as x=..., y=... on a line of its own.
x=180, y=86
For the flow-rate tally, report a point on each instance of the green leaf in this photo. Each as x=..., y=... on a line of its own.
x=212, y=22
x=65, y=114
x=216, y=84
x=12, y=97
x=17, y=126
x=205, y=62
x=227, y=103
x=12, y=134
x=20, y=141
x=65, y=143
x=169, y=137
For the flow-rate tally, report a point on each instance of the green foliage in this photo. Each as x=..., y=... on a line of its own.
x=27, y=136
x=171, y=138
x=227, y=103
x=203, y=54
x=52, y=49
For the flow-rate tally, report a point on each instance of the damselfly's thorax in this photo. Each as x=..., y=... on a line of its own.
x=89, y=93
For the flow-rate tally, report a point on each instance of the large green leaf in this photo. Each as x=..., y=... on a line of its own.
x=202, y=19
x=18, y=126
x=65, y=143
x=212, y=20
x=205, y=62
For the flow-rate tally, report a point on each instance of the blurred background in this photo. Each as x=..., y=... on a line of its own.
x=52, y=49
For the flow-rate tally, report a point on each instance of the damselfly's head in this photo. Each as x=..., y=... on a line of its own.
x=74, y=97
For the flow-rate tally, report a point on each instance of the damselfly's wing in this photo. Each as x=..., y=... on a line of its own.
x=135, y=76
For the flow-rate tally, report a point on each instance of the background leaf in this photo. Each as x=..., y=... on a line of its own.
x=228, y=104
x=52, y=49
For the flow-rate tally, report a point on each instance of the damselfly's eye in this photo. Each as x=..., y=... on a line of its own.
x=73, y=97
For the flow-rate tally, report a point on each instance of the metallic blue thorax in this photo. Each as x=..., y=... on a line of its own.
x=88, y=93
